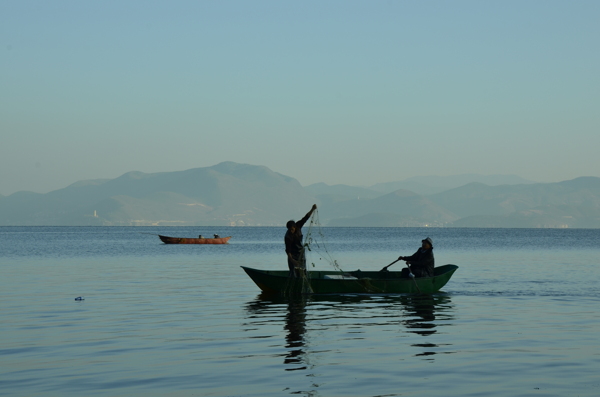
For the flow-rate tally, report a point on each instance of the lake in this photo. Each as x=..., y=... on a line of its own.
x=520, y=317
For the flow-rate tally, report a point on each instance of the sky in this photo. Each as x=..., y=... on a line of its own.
x=350, y=92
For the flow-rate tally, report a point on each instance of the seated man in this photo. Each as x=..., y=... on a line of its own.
x=421, y=263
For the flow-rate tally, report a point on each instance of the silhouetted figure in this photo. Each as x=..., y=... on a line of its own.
x=293, y=245
x=421, y=263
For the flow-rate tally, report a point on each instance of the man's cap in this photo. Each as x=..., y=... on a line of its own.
x=429, y=241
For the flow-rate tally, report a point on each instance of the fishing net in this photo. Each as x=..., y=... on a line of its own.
x=315, y=245
x=315, y=250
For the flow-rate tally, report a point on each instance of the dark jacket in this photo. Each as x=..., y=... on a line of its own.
x=422, y=262
x=293, y=242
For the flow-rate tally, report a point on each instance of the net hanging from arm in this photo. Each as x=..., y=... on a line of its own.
x=315, y=249
x=315, y=244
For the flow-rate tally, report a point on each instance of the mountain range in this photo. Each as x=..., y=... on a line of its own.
x=232, y=194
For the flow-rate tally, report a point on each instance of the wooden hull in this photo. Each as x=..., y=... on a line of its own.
x=183, y=240
x=332, y=282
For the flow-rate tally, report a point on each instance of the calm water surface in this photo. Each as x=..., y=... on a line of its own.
x=520, y=317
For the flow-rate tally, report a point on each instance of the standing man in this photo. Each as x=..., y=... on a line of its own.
x=421, y=263
x=293, y=245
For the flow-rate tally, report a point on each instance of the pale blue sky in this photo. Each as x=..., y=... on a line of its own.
x=353, y=92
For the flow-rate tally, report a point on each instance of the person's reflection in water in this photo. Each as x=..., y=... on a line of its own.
x=295, y=324
x=422, y=312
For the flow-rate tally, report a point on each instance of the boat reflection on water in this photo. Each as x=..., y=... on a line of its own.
x=423, y=314
x=419, y=311
x=417, y=314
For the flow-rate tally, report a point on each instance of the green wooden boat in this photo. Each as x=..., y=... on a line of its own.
x=335, y=282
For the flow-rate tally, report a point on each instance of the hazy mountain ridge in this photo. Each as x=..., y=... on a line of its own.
x=408, y=206
x=433, y=184
x=574, y=203
x=225, y=194
x=239, y=194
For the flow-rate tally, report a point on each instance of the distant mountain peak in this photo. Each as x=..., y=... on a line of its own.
x=589, y=182
x=135, y=175
x=226, y=194
x=231, y=166
x=89, y=182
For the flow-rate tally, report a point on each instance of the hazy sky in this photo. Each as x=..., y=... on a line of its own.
x=353, y=92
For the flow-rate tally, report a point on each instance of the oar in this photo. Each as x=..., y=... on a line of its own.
x=385, y=268
x=411, y=275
